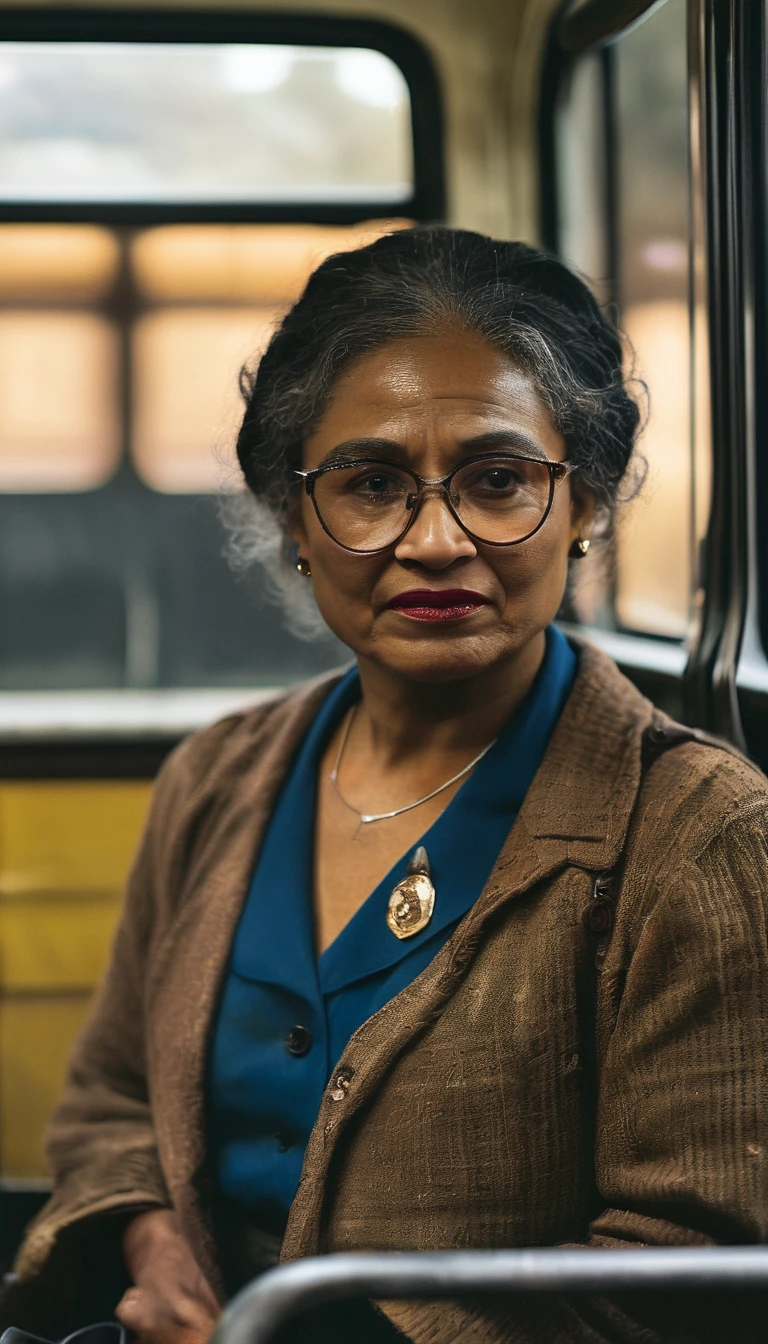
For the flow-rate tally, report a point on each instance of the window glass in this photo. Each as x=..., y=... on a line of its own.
x=238, y=263
x=623, y=184
x=654, y=576
x=194, y=122
x=186, y=399
x=59, y=425
x=59, y=357
x=56, y=263
x=581, y=170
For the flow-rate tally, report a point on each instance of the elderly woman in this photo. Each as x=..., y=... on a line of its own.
x=466, y=946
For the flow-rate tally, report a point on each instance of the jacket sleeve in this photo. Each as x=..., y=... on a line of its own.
x=100, y=1142
x=681, y=1153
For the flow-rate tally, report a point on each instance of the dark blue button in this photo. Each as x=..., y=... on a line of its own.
x=298, y=1042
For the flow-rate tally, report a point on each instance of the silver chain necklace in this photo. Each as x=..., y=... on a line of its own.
x=364, y=817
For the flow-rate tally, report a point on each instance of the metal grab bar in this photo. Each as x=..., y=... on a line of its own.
x=263, y=1307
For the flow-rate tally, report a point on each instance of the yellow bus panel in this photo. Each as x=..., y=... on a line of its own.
x=36, y=1036
x=65, y=849
x=68, y=835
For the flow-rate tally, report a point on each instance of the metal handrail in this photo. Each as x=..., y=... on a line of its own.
x=263, y=1307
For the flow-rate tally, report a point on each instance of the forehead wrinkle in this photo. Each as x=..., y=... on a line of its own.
x=425, y=401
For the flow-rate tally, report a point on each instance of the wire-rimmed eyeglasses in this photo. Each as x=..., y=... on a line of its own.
x=499, y=499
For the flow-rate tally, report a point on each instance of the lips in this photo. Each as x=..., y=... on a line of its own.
x=433, y=604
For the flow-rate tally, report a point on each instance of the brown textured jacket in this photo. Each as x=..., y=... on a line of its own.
x=537, y=1084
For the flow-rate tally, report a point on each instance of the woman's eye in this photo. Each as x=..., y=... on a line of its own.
x=378, y=483
x=501, y=478
x=497, y=480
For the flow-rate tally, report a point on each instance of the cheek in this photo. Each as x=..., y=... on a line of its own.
x=343, y=586
x=536, y=574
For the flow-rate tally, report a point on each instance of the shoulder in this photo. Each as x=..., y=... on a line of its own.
x=672, y=753
x=211, y=785
x=700, y=787
x=234, y=745
x=698, y=842
x=697, y=854
x=694, y=878
x=663, y=788
x=693, y=861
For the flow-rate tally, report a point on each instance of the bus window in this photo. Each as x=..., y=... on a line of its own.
x=202, y=122
x=59, y=412
x=581, y=150
x=622, y=164
x=654, y=579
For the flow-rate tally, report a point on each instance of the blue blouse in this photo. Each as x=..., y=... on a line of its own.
x=286, y=1016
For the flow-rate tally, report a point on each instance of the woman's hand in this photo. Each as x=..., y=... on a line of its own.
x=171, y=1303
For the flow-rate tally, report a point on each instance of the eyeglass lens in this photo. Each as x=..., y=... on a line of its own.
x=368, y=506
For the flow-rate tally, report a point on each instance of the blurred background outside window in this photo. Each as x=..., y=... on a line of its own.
x=201, y=123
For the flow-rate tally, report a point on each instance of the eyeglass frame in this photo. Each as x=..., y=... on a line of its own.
x=558, y=471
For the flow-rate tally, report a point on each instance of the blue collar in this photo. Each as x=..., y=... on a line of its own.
x=274, y=942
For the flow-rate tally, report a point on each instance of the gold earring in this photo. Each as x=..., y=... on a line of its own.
x=579, y=548
x=302, y=564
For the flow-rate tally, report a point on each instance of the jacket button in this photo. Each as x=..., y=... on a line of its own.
x=598, y=916
x=298, y=1042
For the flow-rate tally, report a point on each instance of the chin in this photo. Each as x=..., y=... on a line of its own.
x=438, y=661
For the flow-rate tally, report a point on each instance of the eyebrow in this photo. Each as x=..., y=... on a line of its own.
x=354, y=449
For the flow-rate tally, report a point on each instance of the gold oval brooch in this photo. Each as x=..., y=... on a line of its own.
x=412, y=902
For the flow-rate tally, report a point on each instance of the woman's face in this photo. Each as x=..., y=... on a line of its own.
x=430, y=399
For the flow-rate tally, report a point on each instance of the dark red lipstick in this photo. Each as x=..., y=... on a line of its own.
x=438, y=604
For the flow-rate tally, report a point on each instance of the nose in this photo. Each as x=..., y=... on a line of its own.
x=435, y=539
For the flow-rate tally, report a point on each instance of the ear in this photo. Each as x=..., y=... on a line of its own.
x=583, y=510
x=298, y=536
x=295, y=529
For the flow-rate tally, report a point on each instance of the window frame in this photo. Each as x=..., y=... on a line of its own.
x=723, y=684
x=231, y=27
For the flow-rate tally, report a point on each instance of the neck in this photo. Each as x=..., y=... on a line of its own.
x=399, y=718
